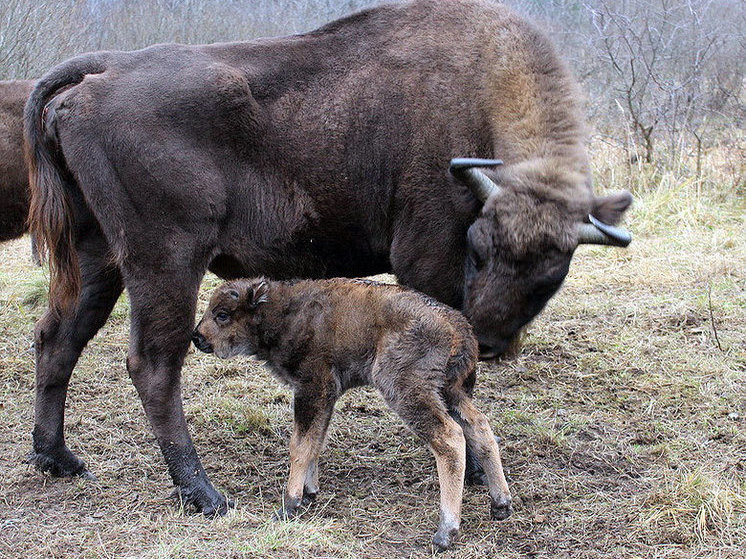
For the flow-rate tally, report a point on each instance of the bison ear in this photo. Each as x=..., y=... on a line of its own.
x=258, y=294
x=610, y=209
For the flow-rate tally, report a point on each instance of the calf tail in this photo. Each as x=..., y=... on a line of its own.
x=51, y=214
x=461, y=369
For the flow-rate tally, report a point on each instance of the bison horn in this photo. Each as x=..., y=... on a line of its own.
x=599, y=233
x=479, y=183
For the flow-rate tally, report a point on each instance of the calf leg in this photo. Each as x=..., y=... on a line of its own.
x=480, y=438
x=474, y=471
x=35, y=257
x=313, y=408
x=448, y=446
x=426, y=415
x=162, y=321
x=311, y=483
x=59, y=341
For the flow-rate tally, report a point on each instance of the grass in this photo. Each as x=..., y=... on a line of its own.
x=622, y=421
x=694, y=505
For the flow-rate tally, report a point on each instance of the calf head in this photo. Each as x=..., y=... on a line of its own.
x=230, y=325
x=519, y=248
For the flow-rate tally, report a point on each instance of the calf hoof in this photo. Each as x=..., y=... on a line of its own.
x=474, y=474
x=292, y=506
x=475, y=477
x=308, y=498
x=285, y=513
x=59, y=462
x=444, y=538
x=500, y=510
x=202, y=498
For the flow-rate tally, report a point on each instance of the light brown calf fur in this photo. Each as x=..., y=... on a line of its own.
x=323, y=337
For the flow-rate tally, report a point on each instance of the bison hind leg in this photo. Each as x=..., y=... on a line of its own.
x=59, y=341
x=162, y=318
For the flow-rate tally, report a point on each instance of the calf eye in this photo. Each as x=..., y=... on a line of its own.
x=222, y=317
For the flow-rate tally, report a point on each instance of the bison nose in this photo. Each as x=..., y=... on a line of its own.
x=200, y=342
x=492, y=349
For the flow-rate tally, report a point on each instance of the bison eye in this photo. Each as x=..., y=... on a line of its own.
x=222, y=317
x=477, y=251
x=475, y=259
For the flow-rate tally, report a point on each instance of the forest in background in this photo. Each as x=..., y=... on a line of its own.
x=665, y=79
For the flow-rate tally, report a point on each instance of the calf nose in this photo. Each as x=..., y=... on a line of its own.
x=200, y=342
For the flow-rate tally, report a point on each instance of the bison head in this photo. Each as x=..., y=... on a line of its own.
x=519, y=248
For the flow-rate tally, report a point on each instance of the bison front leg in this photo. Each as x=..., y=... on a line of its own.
x=162, y=320
x=313, y=409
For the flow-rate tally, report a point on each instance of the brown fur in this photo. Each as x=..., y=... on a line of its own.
x=14, y=191
x=318, y=155
x=323, y=337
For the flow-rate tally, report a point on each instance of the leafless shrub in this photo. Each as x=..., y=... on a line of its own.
x=663, y=77
x=34, y=35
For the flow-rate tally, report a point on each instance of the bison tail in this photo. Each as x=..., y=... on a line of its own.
x=51, y=217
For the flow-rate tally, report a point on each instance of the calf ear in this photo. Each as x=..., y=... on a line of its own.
x=610, y=209
x=258, y=294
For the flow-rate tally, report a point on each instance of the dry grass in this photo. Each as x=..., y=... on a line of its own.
x=622, y=421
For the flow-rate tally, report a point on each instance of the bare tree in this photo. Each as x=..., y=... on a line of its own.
x=662, y=76
x=674, y=67
x=35, y=35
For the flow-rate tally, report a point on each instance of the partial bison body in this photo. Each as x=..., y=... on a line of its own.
x=324, y=337
x=317, y=155
x=14, y=189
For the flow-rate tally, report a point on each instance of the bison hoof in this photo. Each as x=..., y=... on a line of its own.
x=60, y=462
x=444, y=538
x=500, y=510
x=202, y=499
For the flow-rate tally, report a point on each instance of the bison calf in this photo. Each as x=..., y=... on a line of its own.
x=323, y=337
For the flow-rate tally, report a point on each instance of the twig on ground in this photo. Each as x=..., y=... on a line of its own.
x=712, y=316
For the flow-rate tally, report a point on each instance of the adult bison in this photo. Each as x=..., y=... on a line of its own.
x=14, y=190
x=317, y=155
